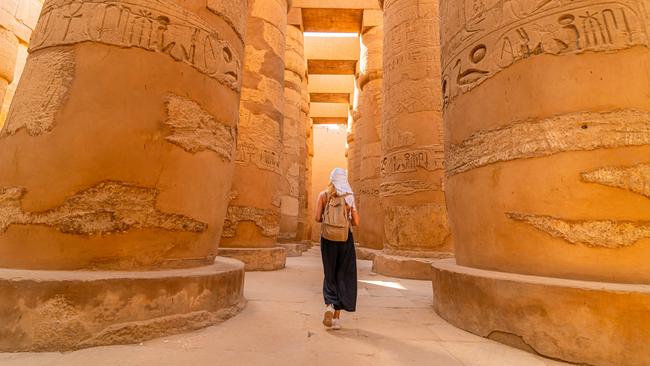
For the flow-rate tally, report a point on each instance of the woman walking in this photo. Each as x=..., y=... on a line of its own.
x=337, y=213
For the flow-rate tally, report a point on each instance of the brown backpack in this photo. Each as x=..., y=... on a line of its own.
x=335, y=225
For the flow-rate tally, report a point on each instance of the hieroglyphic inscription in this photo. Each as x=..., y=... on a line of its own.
x=259, y=141
x=581, y=131
x=634, y=179
x=194, y=129
x=486, y=36
x=601, y=233
x=407, y=187
x=46, y=81
x=426, y=157
x=267, y=220
x=154, y=25
x=108, y=207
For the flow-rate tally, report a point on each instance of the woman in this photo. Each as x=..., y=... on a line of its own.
x=339, y=257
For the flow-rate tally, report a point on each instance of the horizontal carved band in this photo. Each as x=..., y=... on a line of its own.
x=583, y=131
x=158, y=26
x=108, y=207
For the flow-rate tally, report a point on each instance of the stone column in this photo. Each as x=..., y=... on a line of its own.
x=354, y=169
x=294, y=143
x=117, y=160
x=371, y=229
x=305, y=217
x=548, y=167
x=253, y=221
x=411, y=191
x=8, y=54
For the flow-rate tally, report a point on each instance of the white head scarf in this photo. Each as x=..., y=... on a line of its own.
x=339, y=179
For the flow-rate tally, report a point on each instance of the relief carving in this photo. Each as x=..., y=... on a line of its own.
x=416, y=227
x=194, y=129
x=259, y=141
x=583, y=131
x=635, y=179
x=599, y=234
x=267, y=220
x=407, y=187
x=427, y=158
x=154, y=25
x=490, y=35
x=48, y=77
x=108, y=207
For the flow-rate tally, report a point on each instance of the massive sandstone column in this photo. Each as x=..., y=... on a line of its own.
x=8, y=54
x=305, y=216
x=117, y=159
x=371, y=229
x=293, y=159
x=412, y=169
x=253, y=221
x=548, y=163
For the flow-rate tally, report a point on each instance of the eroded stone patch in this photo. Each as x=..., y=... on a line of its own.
x=108, y=207
x=266, y=219
x=194, y=129
x=583, y=131
x=36, y=102
x=597, y=233
x=635, y=179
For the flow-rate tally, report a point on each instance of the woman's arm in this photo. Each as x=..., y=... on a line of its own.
x=320, y=207
x=355, y=217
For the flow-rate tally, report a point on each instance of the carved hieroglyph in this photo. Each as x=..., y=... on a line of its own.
x=108, y=207
x=153, y=25
x=232, y=12
x=259, y=168
x=483, y=37
x=35, y=104
x=412, y=163
x=194, y=129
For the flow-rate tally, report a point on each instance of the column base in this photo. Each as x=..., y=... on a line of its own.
x=407, y=267
x=582, y=322
x=294, y=249
x=69, y=310
x=258, y=259
x=366, y=254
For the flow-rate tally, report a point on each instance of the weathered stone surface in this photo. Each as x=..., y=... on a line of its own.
x=635, y=178
x=415, y=268
x=258, y=259
x=194, y=129
x=8, y=54
x=258, y=168
x=109, y=207
x=583, y=131
x=582, y=322
x=294, y=249
x=366, y=254
x=36, y=103
x=67, y=310
x=412, y=162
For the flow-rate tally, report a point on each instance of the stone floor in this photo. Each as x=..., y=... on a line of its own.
x=394, y=325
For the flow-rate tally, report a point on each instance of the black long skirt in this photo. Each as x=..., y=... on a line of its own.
x=340, y=267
